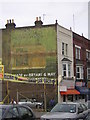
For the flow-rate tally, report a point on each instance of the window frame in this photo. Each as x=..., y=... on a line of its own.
x=67, y=69
x=88, y=74
x=11, y=113
x=87, y=54
x=25, y=109
x=64, y=48
x=77, y=53
x=80, y=72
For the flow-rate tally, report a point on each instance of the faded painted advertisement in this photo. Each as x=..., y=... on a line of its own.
x=33, y=52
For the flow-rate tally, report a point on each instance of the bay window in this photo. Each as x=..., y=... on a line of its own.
x=66, y=72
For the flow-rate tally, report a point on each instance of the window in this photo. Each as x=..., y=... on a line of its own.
x=25, y=113
x=70, y=108
x=66, y=70
x=69, y=70
x=80, y=108
x=12, y=113
x=64, y=49
x=77, y=53
x=88, y=73
x=79, y=72
x=87, y=54
x=70, y=98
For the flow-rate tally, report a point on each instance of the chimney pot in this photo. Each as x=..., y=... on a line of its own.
x=12, y=20
x=7, y=21
x=36, y=18
x=39, y=18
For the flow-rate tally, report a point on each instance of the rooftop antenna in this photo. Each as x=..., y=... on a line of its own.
x=73, y=23
x=44, y=16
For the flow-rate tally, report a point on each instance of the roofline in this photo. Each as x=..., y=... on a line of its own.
x=64, y=27
x=48, y=25
x=80, y=35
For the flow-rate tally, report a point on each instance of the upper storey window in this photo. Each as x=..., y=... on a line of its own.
x=77, y=51
x=64, y=49
x=88, y=54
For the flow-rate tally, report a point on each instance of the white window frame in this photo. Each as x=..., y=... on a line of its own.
x=64, y=48
x=67, y=70
x=77, y=51
x=80, y=72
x=88, y=54
x=88, y=74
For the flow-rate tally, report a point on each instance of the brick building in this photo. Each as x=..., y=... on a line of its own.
x=81, y=50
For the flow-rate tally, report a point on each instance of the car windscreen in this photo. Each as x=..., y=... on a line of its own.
x=71, y=108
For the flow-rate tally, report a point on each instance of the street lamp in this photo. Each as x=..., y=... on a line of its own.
x=59, y=80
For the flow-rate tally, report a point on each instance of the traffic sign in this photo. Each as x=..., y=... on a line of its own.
x=1, y=71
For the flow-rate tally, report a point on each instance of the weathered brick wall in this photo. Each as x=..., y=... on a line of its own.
x=29, y=90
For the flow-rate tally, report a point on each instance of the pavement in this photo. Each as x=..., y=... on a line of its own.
x=39, y=112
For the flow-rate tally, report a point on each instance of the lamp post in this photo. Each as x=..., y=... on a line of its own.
x=45, y=102
x=59, y=96
x=7, y=91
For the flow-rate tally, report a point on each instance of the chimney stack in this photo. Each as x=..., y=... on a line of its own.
x=38, y=22
x=10, y=24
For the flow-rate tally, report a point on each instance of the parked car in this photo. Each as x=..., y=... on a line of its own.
x=66, y=111
x=88, y=116
x=16, y=112
x=33, y=103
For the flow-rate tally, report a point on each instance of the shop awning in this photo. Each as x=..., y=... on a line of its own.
x=83, y=90
x=70, y=92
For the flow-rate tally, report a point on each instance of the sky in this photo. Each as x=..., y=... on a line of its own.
x=72, y=13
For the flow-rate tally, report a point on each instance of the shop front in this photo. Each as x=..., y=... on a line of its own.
x=68, y=93
x=84, y=93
